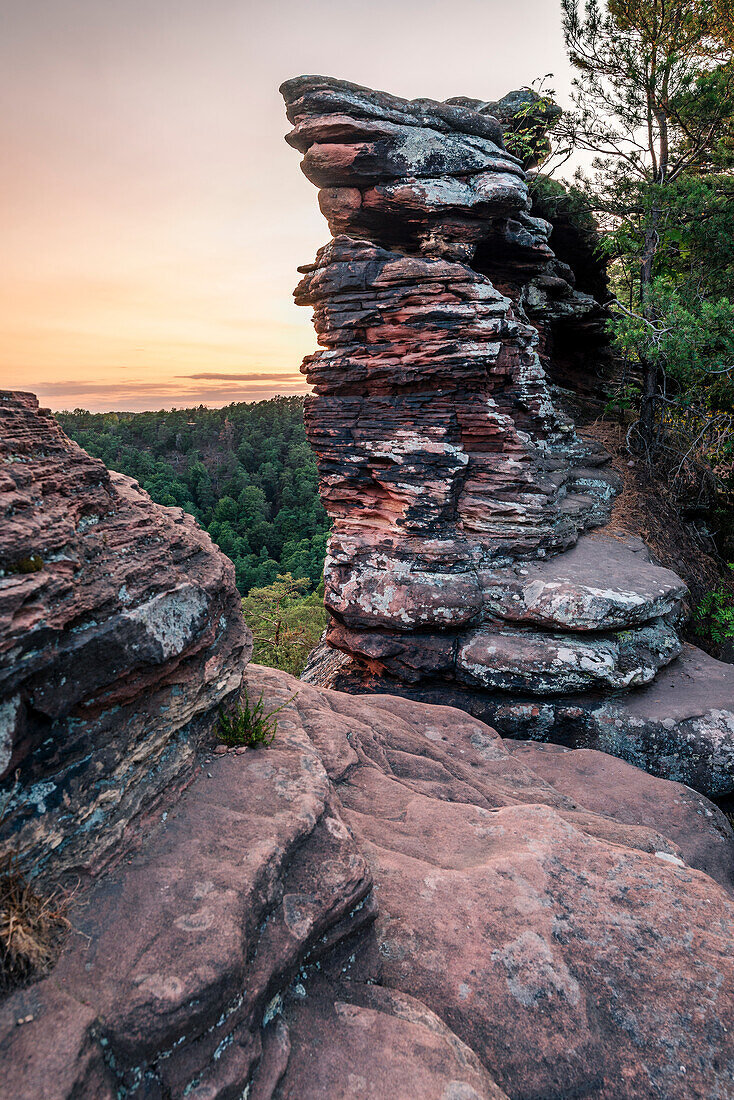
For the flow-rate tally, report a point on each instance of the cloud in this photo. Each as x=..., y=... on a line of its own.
x=286, y=379
x=138, y=396
x=139, y=389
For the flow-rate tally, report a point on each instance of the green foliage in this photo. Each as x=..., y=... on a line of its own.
x=245, y=472
x=691, y=340
x=697, y=246
x=715, y=614
x=654, y=90
x=653, y=104
x=624, y=398
x=695, y=237
x=286, y=622
x=535, y=112
x=553, y=199
x=249, y=724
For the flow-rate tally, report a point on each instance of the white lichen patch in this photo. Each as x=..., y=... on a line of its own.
x=38, y=794
x=533, y=973
x=9, y=711
x=669, y=858
x=538, y=661
x=173, y=618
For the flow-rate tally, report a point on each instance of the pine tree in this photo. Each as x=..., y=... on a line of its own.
x=653, y=102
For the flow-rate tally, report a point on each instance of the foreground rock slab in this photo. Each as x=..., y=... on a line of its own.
x=120, y=634
x=608, y=785
x=392, y=901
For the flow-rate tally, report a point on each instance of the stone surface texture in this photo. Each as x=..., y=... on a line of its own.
x=392, y=901
x=465, y=562
x=120, y=634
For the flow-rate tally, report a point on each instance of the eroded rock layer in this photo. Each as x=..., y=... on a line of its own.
x=392, y=901
x=462, y=556
x=120, y=634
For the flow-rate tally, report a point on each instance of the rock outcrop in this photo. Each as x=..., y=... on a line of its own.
x=393, y=902
x=463, y=566
x=389, y=901
x=120, y=635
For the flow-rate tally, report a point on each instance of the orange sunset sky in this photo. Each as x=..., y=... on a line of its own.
x=151, y=215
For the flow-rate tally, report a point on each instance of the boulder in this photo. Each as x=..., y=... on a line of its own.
x=612, y=787
x=121, y=634
x=678, y=727
x=599, y=584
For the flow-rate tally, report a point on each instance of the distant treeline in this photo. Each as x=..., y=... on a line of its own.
x=246, y=472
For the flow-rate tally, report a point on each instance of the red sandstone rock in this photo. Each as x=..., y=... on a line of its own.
x=388, y=902
x=116, y=648
x=680, y=726
x=609, y=786
x=459, y=566
x=367, y=1040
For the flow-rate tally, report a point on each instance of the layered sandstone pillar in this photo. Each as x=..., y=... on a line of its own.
x=461, y=567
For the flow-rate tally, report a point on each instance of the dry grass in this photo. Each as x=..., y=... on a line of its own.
x=31, y=927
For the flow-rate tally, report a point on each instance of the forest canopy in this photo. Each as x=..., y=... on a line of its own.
x=246, y=472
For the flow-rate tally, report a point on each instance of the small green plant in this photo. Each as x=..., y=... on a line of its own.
x=249, y=724
x=624, y=399
x=715, y=613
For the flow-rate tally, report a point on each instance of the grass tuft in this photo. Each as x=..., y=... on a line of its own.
x=33, y=564
x=249, y=724
x=31, y=927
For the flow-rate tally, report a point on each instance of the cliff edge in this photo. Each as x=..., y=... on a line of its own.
x=121, y=633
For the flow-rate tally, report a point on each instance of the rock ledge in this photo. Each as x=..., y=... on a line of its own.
x=392, y=901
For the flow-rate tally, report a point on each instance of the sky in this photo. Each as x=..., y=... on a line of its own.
x=151, y=215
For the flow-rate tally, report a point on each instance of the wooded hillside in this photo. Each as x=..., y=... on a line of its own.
x=245, y=472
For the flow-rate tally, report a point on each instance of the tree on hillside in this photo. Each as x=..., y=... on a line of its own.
x=286, y=623
x=653, y=103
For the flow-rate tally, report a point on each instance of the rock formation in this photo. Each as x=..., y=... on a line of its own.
x=390, y=901
x=393, y=902
x=463, y=566
x=120, y=634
